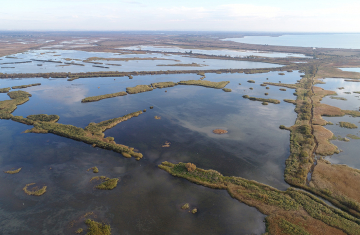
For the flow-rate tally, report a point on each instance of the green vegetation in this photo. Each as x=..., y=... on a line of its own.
x=337, y=98
x=264, y=103
x=5, y=90
x=138, y=89
x=282, y=89
x=108, y=184
x=290, y=228
x=78, y=231
x=163, y=84
x=290, y=101
x=266, y=93
x=96, y=228
x=267, y=88
x=188, y=65
x=94, y=169
x=274, y=101
x=354, y=137
x=352, y=113
x=269, y=200
x=185, y=206
x=35, y=191
x=263, y=85
x=26, y=86
x=216, y=85
x=281, y=73
x=43, y=118
x=101, y=97
x=226, y=89
x=157, y=117
x=194, y=211
x=93, y=134
x=8, y=106
x=13, y=171
x=251, y=88
x=251, y=81
x=358, y=92
x=348, y=125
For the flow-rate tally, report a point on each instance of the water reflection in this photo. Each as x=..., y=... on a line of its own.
x=146, y=200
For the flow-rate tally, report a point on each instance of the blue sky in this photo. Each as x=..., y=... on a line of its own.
x=226, y=15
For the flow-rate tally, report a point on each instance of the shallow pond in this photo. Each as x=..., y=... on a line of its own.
x=230, y=53
x=349, y=154
x=147, y=200
x=37, y=61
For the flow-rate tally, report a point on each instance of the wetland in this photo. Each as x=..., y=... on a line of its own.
x=229, y=165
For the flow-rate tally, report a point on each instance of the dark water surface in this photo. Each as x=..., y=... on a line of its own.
x=147, y=200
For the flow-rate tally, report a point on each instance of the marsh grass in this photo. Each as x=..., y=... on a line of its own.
x=13, y=171
x=157, y=117
x=101, y=97
x=274, y=101
x=185, y=206
x=94, y=169
x=8, y=106
x=282, y=89
x=354, y=137
x=78, y=231
x=163, y=84
x=93, y=134
x=138, y=89
x=5, y=90
x=348, y=125
x=337, y=98
x=216, y=85
x=35, y=191
x=251, y=81
x=226, y=89
x=96, y=228
x=26, y=86
x=108, y=183
x=267, y=200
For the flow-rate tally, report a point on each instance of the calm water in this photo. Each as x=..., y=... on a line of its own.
x=147, y=199
x=348, y=41
x=122, y=66
x=351, y=69
x=350, y=150
x=230, y=53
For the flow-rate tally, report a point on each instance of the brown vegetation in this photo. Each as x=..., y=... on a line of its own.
x=220, y=131
x=286, y=210
x=35, y=191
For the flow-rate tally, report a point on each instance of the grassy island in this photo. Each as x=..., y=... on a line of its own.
x=26, y=86
x=216, y=85
x=13, y=171
x=348, y=125
x=101, y=97
x=96, y=228
x=290, y=210
x=274, y=101
x=5, y=90
x=35, y=191
x=93, y=134
x=8, y=106
x=163, y=84
x=107, y=184
x=138, y=89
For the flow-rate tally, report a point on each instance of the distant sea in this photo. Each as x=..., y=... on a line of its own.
x=339, y=40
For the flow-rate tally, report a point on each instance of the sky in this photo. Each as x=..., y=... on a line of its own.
x=182, y=15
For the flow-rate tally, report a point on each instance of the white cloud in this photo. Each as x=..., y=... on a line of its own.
x=134, y=15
